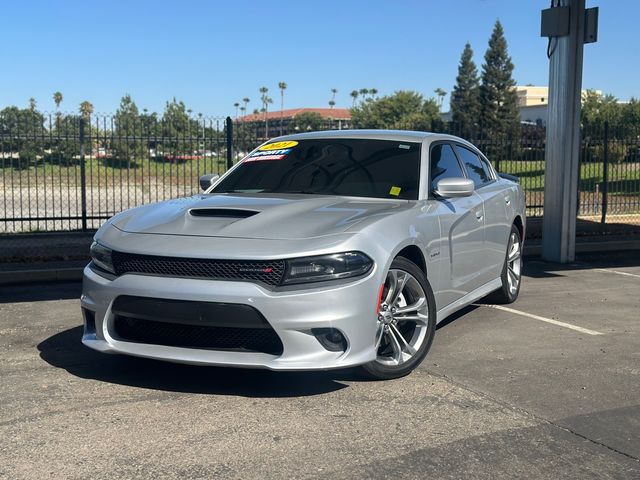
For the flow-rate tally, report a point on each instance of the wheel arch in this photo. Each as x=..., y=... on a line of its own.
x=414, y=254
x=517, y=221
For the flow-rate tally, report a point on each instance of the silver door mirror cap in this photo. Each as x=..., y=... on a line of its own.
x=207, y=180
x=455, y=187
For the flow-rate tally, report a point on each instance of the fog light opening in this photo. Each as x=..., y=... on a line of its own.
x=331, y=339
x=89, y=322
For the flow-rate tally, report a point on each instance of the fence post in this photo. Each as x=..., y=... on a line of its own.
x=83, y=178
x=229, y=129
x=605, y=174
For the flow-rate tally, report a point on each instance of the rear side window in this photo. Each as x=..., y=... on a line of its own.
x=444, y=164
x=475, y=168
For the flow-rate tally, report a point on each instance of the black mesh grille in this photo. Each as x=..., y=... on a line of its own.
x=269, y=272
x=264, y=340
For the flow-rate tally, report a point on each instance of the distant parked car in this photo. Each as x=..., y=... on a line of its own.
x=316, y=251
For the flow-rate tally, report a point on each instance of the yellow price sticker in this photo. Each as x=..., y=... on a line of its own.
x=278, y=145
x=395, y=191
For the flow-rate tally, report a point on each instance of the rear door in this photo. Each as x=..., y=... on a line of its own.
x=461, y=227
x=496, y=223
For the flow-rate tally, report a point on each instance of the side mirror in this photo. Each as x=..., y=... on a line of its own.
x=207, y=180
x=455, y=187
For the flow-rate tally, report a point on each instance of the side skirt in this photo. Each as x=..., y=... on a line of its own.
x=468, y=299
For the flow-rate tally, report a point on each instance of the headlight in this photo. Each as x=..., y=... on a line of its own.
x=326, y=267
x=101, y=257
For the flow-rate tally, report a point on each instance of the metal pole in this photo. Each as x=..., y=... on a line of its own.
x=83, y=178
x=605, y=174
x=563, y=138
x=229, y=128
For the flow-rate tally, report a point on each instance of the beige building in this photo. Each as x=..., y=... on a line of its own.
x=530, y=95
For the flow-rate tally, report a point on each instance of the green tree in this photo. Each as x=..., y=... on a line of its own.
x=20, y=130
x=404, y=110
x=128, y=125
x=176, y=128
x=465, y=97
x=306, y=122
x=33, y=105
x=598, y=108
x=499, y=116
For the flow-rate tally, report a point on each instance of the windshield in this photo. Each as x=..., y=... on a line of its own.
x=339, y=166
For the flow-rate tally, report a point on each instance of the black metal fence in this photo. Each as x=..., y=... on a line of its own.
x=68, y=172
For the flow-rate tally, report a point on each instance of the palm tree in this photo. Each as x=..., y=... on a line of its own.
x=332, y=104
x=266, y=100
x=236, y=105
x=333, y=96
x=86, y=109
x=364, y=92
x=282, y=86
x=441, y=94
x=57, y=98
x=354, y=95
x=246, y=101
x=32, y=104
x=373, y=92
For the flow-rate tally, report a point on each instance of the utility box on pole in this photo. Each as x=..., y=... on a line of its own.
x=564, y=24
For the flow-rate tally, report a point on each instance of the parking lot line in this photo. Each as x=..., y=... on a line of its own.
x=626, y=274
x=543, y=319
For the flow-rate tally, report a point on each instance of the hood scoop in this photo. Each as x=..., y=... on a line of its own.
x=222, y=212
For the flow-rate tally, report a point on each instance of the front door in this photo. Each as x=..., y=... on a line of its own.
x=461, y=229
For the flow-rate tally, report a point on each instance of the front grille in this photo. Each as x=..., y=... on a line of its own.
x=264, y=340
x=191, y=324
x=269, y=272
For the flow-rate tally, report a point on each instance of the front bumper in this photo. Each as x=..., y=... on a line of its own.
x=348, y=307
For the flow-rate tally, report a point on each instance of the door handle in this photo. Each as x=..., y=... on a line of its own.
x=479, y=215
x=507, y=200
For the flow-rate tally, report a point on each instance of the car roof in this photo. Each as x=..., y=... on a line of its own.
x=395, y=135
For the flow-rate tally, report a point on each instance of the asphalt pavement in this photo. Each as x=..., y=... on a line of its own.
x=547, y=388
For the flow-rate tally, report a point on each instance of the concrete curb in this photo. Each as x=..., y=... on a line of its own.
x=16, y=277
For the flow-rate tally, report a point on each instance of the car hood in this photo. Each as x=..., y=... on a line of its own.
x=273, y=217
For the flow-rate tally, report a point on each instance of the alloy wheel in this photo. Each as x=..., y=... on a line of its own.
x=514, y=263
x=402, y=320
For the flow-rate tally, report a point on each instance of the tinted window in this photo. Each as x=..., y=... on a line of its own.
x=474, y=167
x=444, y=164
x=339, y=166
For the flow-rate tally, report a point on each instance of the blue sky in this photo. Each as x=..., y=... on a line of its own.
x=211, y=54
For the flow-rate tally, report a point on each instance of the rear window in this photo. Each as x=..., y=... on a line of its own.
x=350, y=167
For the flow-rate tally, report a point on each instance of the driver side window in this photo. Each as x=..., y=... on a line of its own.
x=444, y=164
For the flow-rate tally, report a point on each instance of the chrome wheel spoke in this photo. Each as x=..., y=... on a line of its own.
x=414, y=307
x=404, y=345
x=392, y=277
x=398, y=355
x=401, y=283
x=420, y=319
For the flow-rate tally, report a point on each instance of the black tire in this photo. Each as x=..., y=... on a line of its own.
x=505, y=294
x=378, y=371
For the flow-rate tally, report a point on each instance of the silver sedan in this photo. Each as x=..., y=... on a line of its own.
x=316, y=251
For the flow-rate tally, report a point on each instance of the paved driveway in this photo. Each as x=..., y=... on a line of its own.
x=547, y=389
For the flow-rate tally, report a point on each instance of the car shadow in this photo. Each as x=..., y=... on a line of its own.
x=64, y=350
